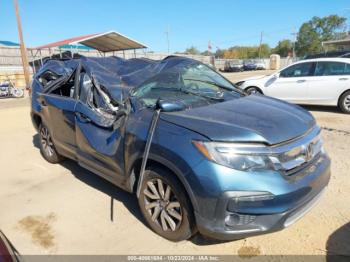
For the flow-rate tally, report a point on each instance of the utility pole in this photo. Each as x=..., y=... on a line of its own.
x=261, y=38
x=167, y=32
x=294, y=34
x=23, y=48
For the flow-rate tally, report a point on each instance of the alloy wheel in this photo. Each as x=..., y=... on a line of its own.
x=162, y=205
x=347, y=102
x=46, y=142
x=252, y=91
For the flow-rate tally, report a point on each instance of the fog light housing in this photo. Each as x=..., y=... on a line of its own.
x=233, y=220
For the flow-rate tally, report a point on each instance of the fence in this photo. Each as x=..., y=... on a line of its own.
x=11, y=63
x=11, y=56
x=220, y=63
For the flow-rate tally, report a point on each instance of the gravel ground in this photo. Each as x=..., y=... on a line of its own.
x=64, y=209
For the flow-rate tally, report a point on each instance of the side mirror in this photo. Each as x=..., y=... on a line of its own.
x=169, y=106
x=277, y=75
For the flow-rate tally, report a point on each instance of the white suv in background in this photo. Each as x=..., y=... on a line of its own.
x=322, y=81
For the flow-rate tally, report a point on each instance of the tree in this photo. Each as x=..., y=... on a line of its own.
x=283, y=48
x=207, y=53
x=314, y=32
x=265, y=51
x=246, y=52
x=192, y=51
x=219, y=53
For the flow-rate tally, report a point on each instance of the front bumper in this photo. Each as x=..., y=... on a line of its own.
x=234, y=220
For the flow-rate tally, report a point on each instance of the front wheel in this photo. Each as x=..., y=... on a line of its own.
x=164, y=205
x=344, y=102
x=17, y=92
x=253, y=90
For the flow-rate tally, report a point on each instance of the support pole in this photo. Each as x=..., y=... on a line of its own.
x=261, y=38
x=167, y=32
x=33, y=60
x=23, y=48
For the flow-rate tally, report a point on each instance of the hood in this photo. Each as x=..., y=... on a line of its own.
x=253, y=118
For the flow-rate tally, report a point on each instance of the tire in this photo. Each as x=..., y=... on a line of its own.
x=17, y=92
x=344, y=102
x=159, y=203
x=47, y=148
x=253, y=90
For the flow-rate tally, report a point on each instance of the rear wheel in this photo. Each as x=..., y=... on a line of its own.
x=344, y=102
x=47, y=147
x=164, y=205
x=253, y=90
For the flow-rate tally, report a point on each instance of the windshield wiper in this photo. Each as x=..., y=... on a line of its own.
x=218, y=85
x=187, y=91
x=200, y=94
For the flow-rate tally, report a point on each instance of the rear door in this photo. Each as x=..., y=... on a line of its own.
x=99, y=134
x=292, y=83
x=57, y=104
x=329, y=81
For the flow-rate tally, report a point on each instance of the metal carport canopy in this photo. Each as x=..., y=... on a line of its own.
x=341, y=42
x=104, y=42
x=111, y=41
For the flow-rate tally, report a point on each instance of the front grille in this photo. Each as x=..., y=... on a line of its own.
x=302, y=167
x=298, y=154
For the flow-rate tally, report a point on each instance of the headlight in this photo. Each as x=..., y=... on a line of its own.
x=239, y=83
x=231, y=155
x=259, y=157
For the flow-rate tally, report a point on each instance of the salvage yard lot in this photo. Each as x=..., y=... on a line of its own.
x=65, y=209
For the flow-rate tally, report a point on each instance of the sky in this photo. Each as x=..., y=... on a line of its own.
x=224, y=23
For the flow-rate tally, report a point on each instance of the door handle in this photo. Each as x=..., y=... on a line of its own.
x=301, y=81
x=343, y=79
x=83, y=118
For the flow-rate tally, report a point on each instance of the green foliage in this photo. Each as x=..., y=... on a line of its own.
x=310, y=37
x=283, y=48
x=192, y=51
x=314, y=32
x=246, y=52
x=207, y=53
x=219, y=53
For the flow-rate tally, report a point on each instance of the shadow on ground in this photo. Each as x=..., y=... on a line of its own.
x=91, y=179
x=115, y=193
x=329, y=109
x=338, y=244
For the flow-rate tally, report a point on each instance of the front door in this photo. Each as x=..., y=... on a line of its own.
x=292, y=83
x=99, y=134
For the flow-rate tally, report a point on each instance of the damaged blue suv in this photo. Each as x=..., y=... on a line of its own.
x=199, y=153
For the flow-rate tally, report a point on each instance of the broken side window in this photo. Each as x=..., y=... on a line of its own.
x=95, y=98
x=47, y=77
x=66, y=89
x=57, y=84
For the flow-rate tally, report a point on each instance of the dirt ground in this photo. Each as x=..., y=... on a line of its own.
x=64, y=209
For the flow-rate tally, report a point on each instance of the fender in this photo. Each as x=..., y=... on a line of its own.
x=132, y=177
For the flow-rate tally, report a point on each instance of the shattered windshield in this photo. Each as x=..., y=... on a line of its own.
x=192, y=84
